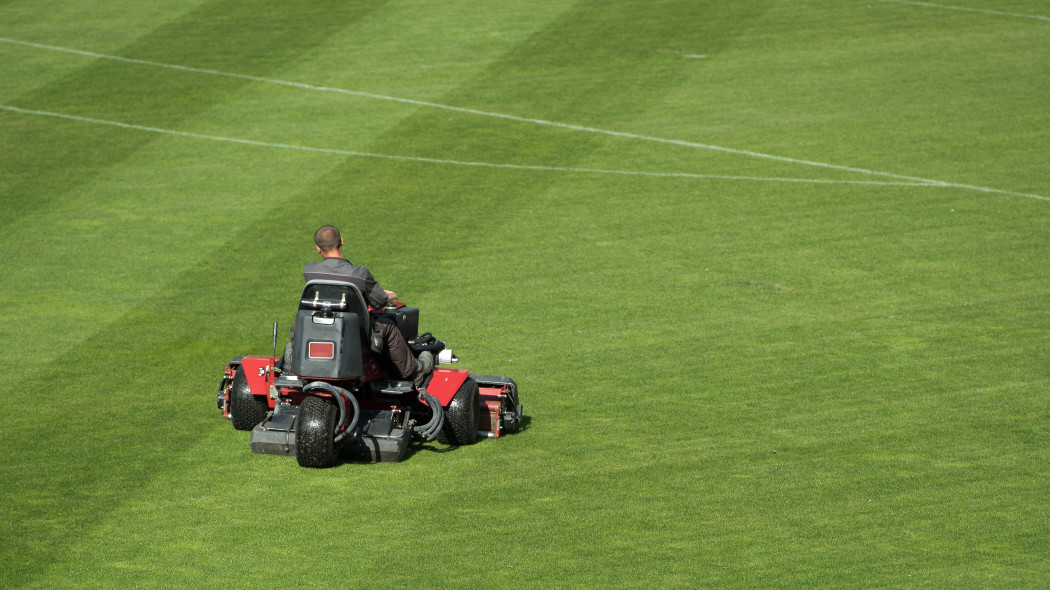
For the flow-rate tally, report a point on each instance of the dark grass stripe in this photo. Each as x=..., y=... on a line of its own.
x=44, y=158
x=598, y=64
x=602, y=60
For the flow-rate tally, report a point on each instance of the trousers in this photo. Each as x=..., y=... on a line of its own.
x=386, y=336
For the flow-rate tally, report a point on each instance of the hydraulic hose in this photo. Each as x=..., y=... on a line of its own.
x=338, y=393
x=430, y=430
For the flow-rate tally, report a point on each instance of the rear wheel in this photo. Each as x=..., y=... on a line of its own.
x=246, y=409
x=315, y=435
x=461, y=416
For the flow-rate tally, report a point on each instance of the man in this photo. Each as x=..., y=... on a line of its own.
x=385, y=336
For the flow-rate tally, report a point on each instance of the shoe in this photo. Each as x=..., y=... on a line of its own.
x=424, y=366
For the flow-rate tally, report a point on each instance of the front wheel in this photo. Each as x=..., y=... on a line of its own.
x=461, y=416
x=315, y=436
x=246, y=409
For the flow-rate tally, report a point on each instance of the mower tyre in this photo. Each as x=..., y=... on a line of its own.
x=315, y=435
x=246, y=410
x=461, y=416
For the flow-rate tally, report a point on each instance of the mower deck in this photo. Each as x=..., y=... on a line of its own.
x=380, y=439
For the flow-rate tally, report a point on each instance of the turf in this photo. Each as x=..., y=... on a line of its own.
x=770, y=275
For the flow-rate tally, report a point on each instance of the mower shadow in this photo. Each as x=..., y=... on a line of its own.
x=430, y=448
x=526, y=421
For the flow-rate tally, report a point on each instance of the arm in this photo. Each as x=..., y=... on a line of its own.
x=377, y=296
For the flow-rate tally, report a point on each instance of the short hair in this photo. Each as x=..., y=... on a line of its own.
x=327, y=238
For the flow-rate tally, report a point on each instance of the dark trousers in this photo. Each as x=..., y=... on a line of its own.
x=386, y=336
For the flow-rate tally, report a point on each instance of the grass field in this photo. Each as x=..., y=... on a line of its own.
x=771, y=276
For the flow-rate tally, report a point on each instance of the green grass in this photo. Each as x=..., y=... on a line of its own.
x=824, y=363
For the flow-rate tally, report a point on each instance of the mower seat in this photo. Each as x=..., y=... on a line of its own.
x=332, y=329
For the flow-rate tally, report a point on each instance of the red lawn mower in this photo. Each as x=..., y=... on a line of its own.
x=333, y=395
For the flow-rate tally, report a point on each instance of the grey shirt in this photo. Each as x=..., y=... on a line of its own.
x=340, y=269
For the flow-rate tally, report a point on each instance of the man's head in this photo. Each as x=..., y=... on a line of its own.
x=328, y=240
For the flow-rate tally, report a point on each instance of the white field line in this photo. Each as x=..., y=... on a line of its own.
x=912, y=180
x=968, y=9
x=542, y=122
x=340, y=152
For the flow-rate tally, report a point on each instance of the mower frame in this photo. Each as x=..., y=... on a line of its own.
x=353, y=407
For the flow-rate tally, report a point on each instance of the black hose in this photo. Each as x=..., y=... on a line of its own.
x=338, y=393
x=350, y=430
x=436, y=430
x=433, y=432
x=430, y=430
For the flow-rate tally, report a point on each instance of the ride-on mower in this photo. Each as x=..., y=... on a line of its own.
x=334, y=394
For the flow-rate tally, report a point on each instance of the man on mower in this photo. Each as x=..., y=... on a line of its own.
x=384, y=335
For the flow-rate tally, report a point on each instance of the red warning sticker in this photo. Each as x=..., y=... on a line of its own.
x=321, y=350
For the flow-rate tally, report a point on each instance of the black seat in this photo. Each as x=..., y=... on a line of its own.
x=337, y=296
x=332, y=329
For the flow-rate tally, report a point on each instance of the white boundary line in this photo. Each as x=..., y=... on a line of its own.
x=469, y=111
x=912, y=180
x=967, y=9
x=421, y=159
